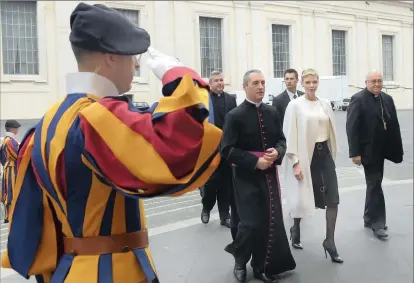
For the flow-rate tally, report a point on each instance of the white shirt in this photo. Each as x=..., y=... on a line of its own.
x=291, y=94
x=90, y=83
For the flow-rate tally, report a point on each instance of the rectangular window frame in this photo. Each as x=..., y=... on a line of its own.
x=220, y=46
x=42, y=38
x=225, y=44
x=293, y=42
x=346, y=42
x=289, y=28
x=393, y=45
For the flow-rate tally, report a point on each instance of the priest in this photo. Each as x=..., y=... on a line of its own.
x=253, y=141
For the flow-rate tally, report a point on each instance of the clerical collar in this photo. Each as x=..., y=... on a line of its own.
x=90, y=83
x=291, y=94
x=10, y=134
x=217, y=94
x=373, y=94
x=257, y=104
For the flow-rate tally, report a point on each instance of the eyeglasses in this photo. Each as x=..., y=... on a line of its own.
x=375, y=81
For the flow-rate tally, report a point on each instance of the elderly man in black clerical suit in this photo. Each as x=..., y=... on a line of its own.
x=219, y=185
x=281, y=101
x=374, y=135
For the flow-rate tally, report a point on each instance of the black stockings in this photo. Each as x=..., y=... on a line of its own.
x=331, y=215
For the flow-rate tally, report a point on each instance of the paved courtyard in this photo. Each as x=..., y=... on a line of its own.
x=186, y=251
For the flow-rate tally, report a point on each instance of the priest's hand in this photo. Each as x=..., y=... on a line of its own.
x=271, y=154
x=297, y=171
x=263, y=163
x=356, y=160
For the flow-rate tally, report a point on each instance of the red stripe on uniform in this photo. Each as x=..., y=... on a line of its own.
x=176, y=136
x=110, y=166
x=23, y=149
x=61, y=175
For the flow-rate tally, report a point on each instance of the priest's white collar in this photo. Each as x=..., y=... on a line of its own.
x=10, y=134
x=257, y=104
x=90, y=83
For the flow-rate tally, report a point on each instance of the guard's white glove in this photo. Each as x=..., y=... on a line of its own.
x=160, y=63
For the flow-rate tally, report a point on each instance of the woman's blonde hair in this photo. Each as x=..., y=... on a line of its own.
x=309, y=72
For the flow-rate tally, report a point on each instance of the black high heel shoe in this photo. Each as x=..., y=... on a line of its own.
x=332, y=253
x=295, y=238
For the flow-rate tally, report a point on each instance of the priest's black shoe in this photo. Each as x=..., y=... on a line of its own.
x=368, y=225
x=205, y=216
x=380, y=234
x=263, y=277
x=225, y=222
x=240, y=272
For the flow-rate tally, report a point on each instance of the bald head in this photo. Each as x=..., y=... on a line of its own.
x=373, y=82
x=373, y=73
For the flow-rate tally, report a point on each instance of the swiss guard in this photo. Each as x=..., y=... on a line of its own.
x=85, y=168
x=8, y=158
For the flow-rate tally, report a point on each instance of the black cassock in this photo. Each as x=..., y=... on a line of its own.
x=261, y=232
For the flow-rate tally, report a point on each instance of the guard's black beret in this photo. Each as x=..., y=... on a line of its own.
x=12, y=124
x=102, y=29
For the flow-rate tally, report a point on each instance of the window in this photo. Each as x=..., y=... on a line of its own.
x=281, y=50
x=339, y=52
x=210, y=45
x=388, y=57
x=133, y=16
x=20, y=54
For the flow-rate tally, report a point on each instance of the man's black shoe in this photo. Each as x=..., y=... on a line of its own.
x=368, y=225
x=380, y=234
x=240, y=272
x=225, y=222
x=205, y=216
x=263, y=277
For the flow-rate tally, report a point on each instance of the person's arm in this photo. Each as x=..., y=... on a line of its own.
x=168, y=151
x=32, y=247
x=229, y=148
x=281, y=143
x=352, y=126
x=290, y=130
x=11, y=147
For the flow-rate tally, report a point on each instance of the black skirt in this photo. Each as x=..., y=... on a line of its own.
x=324, y=179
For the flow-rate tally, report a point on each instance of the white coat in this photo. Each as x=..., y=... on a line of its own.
x=301, y=133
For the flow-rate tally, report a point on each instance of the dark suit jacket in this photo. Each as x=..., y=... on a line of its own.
x=230, y=101
x=281, y=102
x=361, y=126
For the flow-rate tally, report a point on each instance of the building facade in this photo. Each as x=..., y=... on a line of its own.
x=335, y=37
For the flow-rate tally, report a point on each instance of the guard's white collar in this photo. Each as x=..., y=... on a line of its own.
x=10, y=134
x=90, y=83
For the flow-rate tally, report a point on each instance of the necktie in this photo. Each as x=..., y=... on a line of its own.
x=295, y=96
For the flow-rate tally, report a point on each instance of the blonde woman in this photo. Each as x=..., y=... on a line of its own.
x=310, y=176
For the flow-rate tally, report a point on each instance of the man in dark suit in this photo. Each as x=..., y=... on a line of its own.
x=374, y=135
x=281, y=101
x=219, y=185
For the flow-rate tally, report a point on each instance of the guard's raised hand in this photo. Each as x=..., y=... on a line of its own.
x=160, y=63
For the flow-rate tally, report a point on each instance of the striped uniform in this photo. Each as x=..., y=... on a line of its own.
x=84, y=170
x=8, y=157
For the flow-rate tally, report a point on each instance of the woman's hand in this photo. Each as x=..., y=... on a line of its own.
x=297, y=171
